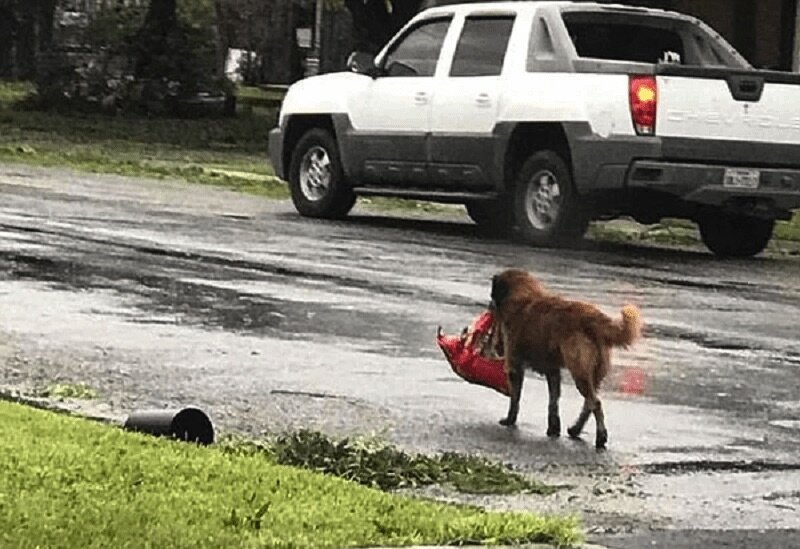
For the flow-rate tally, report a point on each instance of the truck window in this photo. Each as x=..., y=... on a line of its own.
x=417, y=52
x=621, y=42
x=482, y=46
x=645, y=38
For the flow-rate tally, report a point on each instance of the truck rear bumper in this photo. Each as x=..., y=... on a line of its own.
x=692, y=170
x=777, y=188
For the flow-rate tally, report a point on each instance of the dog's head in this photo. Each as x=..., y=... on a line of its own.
x=511, y=281
x=500, y=291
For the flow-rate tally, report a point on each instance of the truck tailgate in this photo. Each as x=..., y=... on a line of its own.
x=725, y=104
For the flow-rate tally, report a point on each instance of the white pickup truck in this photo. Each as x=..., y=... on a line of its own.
x=541, y=116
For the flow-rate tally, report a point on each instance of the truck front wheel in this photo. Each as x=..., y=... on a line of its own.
x=546, y=208
x=316, y=178
x=734, y=235
x=491, y=216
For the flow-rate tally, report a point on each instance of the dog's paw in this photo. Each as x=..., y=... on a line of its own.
x=574, y=432
x=508, y=422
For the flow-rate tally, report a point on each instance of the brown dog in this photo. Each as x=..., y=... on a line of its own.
x=545, y=332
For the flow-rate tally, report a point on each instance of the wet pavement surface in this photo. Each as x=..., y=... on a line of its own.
x=162, y=294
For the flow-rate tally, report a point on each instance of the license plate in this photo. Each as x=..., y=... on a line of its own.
x=741, y=178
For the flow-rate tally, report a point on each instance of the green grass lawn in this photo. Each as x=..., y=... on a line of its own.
x=68, y=482
x=254, y=96
x=682, y=232
x=229, y=152
x=789, y=230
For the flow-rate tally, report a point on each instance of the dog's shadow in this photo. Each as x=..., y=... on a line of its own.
x=528, y=445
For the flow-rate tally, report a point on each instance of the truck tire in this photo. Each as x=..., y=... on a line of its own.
x=735, y=235
x=547, y=211
x=316, y=178
x=492, y=216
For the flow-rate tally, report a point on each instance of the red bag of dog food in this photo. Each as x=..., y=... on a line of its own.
x=473, y=355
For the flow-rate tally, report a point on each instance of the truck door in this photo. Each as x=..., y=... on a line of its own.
x=466, y=103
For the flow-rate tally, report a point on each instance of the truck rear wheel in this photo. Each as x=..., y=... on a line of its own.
x=316, y=178
x=735, y=235
x=547, y=211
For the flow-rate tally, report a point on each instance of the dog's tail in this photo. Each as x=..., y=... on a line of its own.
x=627, y=330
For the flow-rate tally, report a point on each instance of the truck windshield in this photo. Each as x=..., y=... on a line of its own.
x=645, y=38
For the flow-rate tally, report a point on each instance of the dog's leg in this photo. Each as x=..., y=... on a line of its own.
x=601, y=438
x=603, y=365
x=591, y=405
x=588, y=407
x=577, y=427
x=516, y=375
x=554, y=389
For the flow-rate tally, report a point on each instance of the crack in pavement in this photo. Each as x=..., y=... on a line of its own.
x=712, y=466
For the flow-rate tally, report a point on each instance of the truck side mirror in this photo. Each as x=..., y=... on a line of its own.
x=362, y=63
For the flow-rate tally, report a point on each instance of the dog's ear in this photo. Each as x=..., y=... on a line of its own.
x=500, y=290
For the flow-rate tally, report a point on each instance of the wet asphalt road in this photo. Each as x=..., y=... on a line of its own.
x=162, y=294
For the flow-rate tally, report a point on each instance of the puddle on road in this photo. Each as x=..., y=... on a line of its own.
x=791, y=424
x=699, y=369
x=709, y=341
x=215, y=304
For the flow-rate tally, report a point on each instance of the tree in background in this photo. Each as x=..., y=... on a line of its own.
x=143, y=57
x=376, y=21
x=244, y=25
x=8, y=31
x=26, y=30
x=176, y=46
x=157, y=33
x=264, y=31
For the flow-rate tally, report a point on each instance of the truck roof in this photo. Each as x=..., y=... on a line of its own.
x=525, y=6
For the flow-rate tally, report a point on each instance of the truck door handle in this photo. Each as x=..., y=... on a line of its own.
x=483, y=100
x=421, y=98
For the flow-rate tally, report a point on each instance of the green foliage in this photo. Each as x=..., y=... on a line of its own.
x=376, y=464
x=789, y=230
x=130, y=66
x=72, y=483
x=68, y=390
x=669, y=231
x=178, y=64
x=334, y=4
x=680, y=232
x=113, y=28
x=198, y=13
x=14, y=92
x=379, y=203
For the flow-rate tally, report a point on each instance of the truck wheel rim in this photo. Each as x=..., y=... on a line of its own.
x=543, y=200
x=315, y=174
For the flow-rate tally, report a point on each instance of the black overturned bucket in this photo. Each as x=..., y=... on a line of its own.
x=187, y=424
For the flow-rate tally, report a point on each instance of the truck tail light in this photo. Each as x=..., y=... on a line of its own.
x=644, y=104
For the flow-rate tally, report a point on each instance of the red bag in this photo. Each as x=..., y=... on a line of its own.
x=470, y=354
